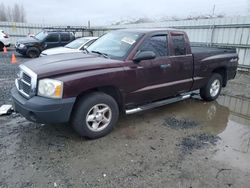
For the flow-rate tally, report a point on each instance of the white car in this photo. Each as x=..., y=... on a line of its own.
x=77, y=45
x=4, y=40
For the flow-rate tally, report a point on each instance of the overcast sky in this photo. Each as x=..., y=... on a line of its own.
x=104, y=12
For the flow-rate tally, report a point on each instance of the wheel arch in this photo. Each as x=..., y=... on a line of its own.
x=109, y=90
x=223, y=72
x=33, y=48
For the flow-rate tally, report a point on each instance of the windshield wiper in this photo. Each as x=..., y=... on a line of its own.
x=86, y=51
x=100, y=53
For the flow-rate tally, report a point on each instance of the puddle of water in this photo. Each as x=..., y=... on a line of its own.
x=175, y=123
x=239, y=108
x=228, y=118
x=234, y=147
x=212, y=116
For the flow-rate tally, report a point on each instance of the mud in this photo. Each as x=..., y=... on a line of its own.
x=209, y=147
x=198, y=141
x=179, y=123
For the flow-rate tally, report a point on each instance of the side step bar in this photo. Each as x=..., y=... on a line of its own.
x=158, y=104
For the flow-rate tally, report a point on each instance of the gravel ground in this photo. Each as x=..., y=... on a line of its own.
x=187, y=144
x=8, y=73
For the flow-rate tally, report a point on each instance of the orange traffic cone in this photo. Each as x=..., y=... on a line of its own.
x=13, y=59
x=5, y=50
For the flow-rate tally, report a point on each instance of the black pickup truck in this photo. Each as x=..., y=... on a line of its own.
x=32, y=46
x=124, y=71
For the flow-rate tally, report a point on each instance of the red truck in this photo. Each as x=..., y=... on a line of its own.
x=124, y=71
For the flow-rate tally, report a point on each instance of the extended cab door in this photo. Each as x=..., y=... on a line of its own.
x=52, y=40
x=165, y=76
x=181, y=79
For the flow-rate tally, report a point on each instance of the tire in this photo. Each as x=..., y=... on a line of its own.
x=95, y=115
x=212, y=89
x=1, y=46
x=33, y=53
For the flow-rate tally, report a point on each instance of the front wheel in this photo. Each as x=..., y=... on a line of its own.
x=212, y=89
x=95, y=115
x=33, y=52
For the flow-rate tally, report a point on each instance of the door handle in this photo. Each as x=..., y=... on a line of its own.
x=165, y=66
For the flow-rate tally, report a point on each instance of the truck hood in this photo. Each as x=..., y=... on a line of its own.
x=53, y=65
x=59, y=50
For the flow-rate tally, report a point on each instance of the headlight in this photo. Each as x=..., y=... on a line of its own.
x=21, y=46
x=50, y=88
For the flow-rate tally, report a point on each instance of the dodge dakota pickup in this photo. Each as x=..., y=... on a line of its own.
x=124, y=71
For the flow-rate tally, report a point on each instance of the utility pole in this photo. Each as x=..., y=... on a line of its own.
x=89, y=24
x=248, y=6
x=213, y=13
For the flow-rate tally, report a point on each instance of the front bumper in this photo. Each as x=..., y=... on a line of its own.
x=43, y=110
x=21, y=51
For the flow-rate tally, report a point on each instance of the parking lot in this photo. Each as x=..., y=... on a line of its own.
x=187, y=144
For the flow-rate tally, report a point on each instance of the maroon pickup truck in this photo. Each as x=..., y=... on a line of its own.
x=124, y=71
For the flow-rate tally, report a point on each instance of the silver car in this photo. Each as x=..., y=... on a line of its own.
x=77, y=45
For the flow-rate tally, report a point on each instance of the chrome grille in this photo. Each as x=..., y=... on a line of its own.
x=26, y=81
x=24, y=86
x=26, y=78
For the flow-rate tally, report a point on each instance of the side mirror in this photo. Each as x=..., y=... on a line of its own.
x=146, y=55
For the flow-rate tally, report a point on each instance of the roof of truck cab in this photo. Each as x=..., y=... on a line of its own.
x=149, y=30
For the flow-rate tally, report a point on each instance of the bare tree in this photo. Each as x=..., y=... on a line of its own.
x=3, y=16
x=9, y=13
x=23, y=14
x=15, y=13
x=18, y=13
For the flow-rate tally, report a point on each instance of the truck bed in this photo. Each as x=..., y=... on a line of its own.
x=211, y=50
x=201, y=52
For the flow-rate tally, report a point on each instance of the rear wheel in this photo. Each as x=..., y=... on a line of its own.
x=212, y=89
x=33, y=52
x=95, y=115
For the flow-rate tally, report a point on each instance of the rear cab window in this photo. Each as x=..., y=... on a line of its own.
x=52, y=37
x=65, y=37
x=179, y=44
x=157, y=43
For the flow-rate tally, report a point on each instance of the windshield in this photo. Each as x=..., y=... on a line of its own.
x=76, y=43
x=115, y=44
x=41, y=36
